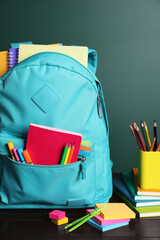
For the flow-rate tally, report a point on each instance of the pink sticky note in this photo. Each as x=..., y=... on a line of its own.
x=103, y=222
x=57, y=214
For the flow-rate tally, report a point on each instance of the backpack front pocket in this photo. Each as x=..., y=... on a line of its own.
x=66, y=185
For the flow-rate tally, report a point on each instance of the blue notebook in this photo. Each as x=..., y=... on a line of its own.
x=106, y=227
x=119, y=184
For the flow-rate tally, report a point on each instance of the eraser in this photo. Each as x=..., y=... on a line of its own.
x=61, y=221
x=57, y=214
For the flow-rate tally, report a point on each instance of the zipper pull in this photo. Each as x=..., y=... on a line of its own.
x=99, y=104
x=83, y=168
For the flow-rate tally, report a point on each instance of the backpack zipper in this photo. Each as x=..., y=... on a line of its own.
x=99, y=104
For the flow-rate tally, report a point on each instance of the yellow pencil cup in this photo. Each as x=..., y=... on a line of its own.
x=148, y=169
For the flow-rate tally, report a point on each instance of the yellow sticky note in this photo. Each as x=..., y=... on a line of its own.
x=115, y=211
x=61, y=221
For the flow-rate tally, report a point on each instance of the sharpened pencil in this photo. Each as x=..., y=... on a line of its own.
x=158, y=148
x=140, y=137
x=153, y=143
x=155, y=134
x=145, y=136
x=147, y=133
x=70, y=154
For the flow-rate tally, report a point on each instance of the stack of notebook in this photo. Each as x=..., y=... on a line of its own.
x=20, y=51
x=114, y=215
x=145, y=203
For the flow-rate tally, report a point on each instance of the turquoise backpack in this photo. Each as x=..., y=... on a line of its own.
x=55, y=90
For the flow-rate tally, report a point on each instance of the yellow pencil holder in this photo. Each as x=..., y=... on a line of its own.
x=148, y=169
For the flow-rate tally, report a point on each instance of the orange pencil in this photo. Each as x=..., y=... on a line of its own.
x=70, y=154
x=152, y=144
x=158, y=148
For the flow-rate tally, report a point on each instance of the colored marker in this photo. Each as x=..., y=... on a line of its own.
x=70, y=154
x=67, y=154
x=16, y=154
x=64, y=153
x=147, y=133
x=20, y=150
x=27, y=157
x=10, y=148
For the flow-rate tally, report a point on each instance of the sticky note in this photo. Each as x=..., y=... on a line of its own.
x=85, y=143
x=57, y=214
x=98, y=219
x=115, y=211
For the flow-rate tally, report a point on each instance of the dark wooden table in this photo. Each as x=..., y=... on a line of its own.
x=35, y=225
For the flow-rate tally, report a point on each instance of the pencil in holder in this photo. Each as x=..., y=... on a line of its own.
x=148, y=169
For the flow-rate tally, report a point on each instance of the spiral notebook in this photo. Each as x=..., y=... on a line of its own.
x=12, y=57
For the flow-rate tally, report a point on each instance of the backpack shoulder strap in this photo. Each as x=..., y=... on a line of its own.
x=92, y=60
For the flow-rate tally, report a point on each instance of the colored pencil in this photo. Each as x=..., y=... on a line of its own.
x=152, y=145
x=155, y=134
x=70, y=154
x=139, y=143
x=64, y=153
x=158, y=148
x=67, y=154
x=144, y=135
x=132, y=130
x=147, y=134
x=140, y=137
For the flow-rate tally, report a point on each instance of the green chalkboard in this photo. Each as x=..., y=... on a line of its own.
x=126, y=35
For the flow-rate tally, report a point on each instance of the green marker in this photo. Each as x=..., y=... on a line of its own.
x=64, y=153
x=84, y=219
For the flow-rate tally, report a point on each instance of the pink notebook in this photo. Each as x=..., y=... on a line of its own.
x=98, y=219
x=45, y=144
